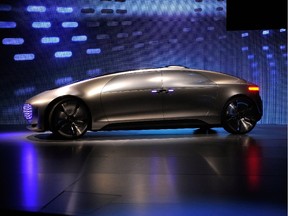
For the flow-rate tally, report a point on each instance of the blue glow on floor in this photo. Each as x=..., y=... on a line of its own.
x=195, y=208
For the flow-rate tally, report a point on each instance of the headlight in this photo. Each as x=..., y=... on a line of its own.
x=28, y=112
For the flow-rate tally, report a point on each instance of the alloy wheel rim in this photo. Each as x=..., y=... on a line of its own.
x=71, y=119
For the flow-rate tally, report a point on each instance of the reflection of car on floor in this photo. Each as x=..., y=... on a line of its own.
x=168, y=97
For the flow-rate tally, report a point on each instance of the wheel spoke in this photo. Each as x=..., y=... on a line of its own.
x=63, y=110
x=232, y=109
x=245, y=125
x=76, y=109
x=76, y=130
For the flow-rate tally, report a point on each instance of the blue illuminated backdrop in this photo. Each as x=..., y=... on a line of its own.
x=47, y=44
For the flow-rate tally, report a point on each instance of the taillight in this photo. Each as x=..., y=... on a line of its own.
x=253, y=88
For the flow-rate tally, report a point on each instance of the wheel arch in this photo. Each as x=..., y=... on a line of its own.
x=235, y=96
x=56, y=101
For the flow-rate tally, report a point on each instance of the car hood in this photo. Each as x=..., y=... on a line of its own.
x=81, y=88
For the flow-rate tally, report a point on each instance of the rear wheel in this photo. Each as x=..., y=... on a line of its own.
x=239, y=115
x=69, y=118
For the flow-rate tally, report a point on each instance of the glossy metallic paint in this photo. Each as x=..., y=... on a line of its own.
x=169, y=93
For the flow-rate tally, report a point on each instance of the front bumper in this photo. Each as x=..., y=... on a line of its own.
x=34, y=118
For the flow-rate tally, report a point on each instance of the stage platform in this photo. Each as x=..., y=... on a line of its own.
x=145, y=173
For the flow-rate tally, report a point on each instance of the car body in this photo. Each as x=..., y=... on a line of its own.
x=167, y=97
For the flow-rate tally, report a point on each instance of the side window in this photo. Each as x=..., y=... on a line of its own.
x=134, y=81
x=184, y=79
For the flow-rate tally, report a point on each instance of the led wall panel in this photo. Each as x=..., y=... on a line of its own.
x=47, y=44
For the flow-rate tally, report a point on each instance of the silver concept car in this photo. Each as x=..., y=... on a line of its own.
x=168, y=97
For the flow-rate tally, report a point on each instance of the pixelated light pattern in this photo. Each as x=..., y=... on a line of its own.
x=64, y=9
x=69, y=24
x=63, y=54
x=93, y=51
x=41, y=24
x=47, y=44
x=13, y=41
x=79, y=38
x=49, y=40
x=24, y=57
x=7, y=24
x=36, y=9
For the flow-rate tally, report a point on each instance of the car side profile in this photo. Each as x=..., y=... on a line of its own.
x=168, y=97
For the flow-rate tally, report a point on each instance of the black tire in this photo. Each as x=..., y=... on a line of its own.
x=69, y=118
x=239, y=115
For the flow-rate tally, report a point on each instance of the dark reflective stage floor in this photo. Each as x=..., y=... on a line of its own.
x=144, y=173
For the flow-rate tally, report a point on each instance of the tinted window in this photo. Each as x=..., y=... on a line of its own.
x=134, y=81
x=184, y=79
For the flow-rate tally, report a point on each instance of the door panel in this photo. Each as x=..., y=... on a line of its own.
x=189, y=94
x=131, y=97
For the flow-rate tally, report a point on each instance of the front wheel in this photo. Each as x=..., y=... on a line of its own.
x=69, y=118
x=239, y=115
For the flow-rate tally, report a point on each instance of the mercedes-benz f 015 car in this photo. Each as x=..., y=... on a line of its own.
x=168, y=97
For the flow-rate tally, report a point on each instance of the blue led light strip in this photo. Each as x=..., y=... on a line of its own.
x=63, y=54
x=93, y=51
x=7, y=24
x=37, y=9
x=79, y=38
x=24, y=57
x=41, y=24
x=13, y=41
x=70, y=24
x=64, y=9
x=49, y=40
